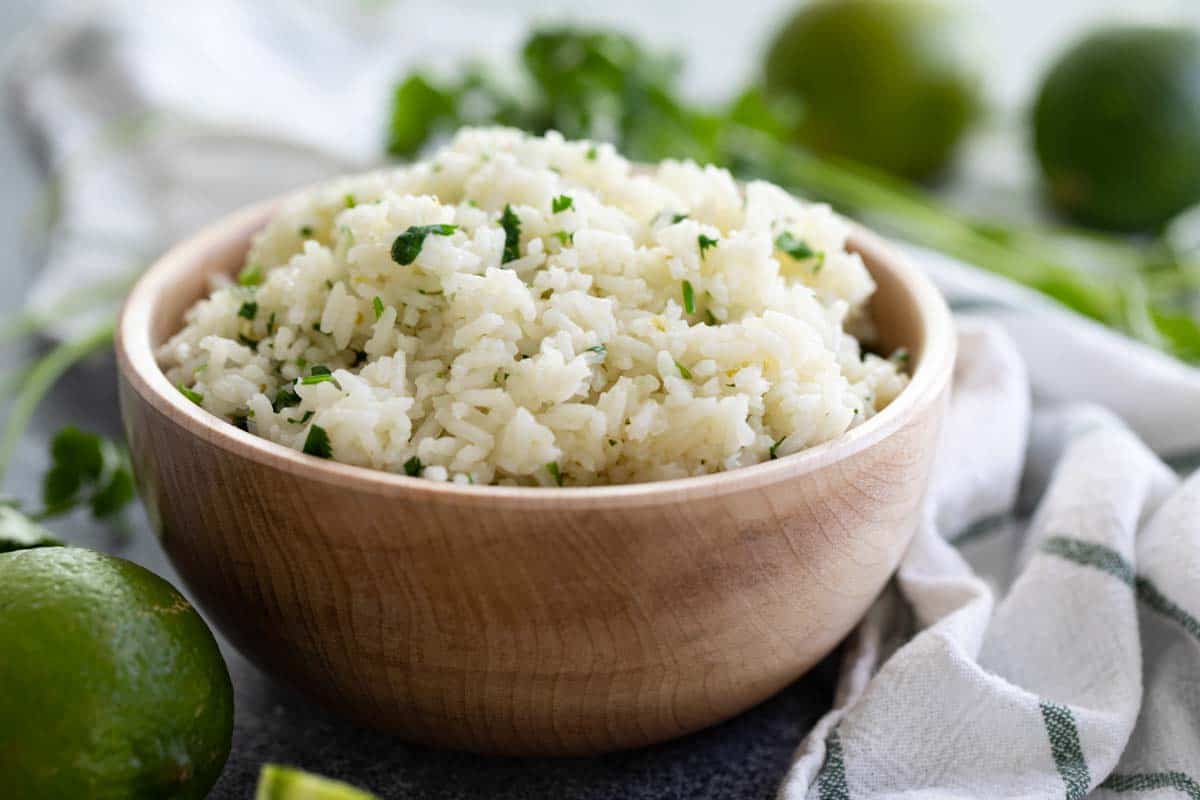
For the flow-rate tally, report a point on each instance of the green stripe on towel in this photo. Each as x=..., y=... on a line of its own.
x=1064, y=746
x=831, y=782
x=1149, y=782
x=1090, y=554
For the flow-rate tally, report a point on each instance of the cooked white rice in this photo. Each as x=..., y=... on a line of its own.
x=578, y=362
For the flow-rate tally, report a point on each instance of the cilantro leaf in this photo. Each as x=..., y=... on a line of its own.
x=317, y=443
x=705, y=243
x=796, y=248
x=413, y=467
x=562, y=203
x=87, y=469
x=408, y=245
x=689, y=298
x=512, y=234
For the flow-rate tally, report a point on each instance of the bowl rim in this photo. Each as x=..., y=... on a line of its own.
x=139, y=367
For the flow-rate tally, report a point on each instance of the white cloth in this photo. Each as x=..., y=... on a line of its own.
x=1041, y=639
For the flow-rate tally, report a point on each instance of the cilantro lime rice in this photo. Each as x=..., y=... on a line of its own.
x=525, y=310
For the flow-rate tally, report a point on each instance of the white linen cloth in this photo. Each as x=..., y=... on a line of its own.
x=1042, y=636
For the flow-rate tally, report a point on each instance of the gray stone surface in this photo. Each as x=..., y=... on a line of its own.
x=744, y=758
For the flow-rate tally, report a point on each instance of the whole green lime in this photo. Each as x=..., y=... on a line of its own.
x=883, y=82
x=1117, y=127
x=112, y=685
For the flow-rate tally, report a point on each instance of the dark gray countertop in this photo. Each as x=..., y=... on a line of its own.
x=744, y=758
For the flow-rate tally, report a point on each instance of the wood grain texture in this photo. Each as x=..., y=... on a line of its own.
x=520, y=620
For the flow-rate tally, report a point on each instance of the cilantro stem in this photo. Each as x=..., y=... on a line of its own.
x=41, y=379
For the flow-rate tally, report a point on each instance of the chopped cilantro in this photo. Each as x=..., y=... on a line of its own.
x=271, y=324
x=689, y=296
x=350, y=201
x=377, y=304
x=683, y=371
x=591, y=153
x=706, y=243
x=600, y=350
x=241, y=422
x=307, y=416
x=360, y=356
x=248, y=310
x=512, y=234
x=774, y=451
x=565, y=237
x=306, y=231
x=311, y=380
x=321, y=369
x=408, y=245
x=561, y=203
x=709, y=318
x=413, y=467
x=678, y=218
x=246, y=340
x=317, y=443
x=552, y=468
x=191, y=394
x=796, y=248
x=251, y=275
x=900, y=356
x=284, y=398
x=819, y=263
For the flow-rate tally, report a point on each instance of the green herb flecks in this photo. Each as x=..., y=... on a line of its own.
x=246, y=340
x=684, y=372
x=591, y=153
x=306, y=231
x=564, y=237
x=774, y=450
x=678, y=218
x=251, y=275
x=710, y=318
x=512, y=234
x=413, y=467
x=317, y=443
x=408, y=245
x=377, y=305
x=350, y=201
x=900, y=357
x=689, y=297
x=705, y=243
x=552, y=468
x=599, y=351
x=307, y=416
x=191, y=394
x=248, y=310
x=561, y=203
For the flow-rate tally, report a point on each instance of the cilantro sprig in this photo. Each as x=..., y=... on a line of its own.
x=87, y=470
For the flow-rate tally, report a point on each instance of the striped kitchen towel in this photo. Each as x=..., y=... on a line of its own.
x=1042, y=636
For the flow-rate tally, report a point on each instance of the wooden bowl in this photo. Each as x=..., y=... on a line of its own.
x=528, y=620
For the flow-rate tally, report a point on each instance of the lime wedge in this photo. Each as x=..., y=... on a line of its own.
x=285, y=783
